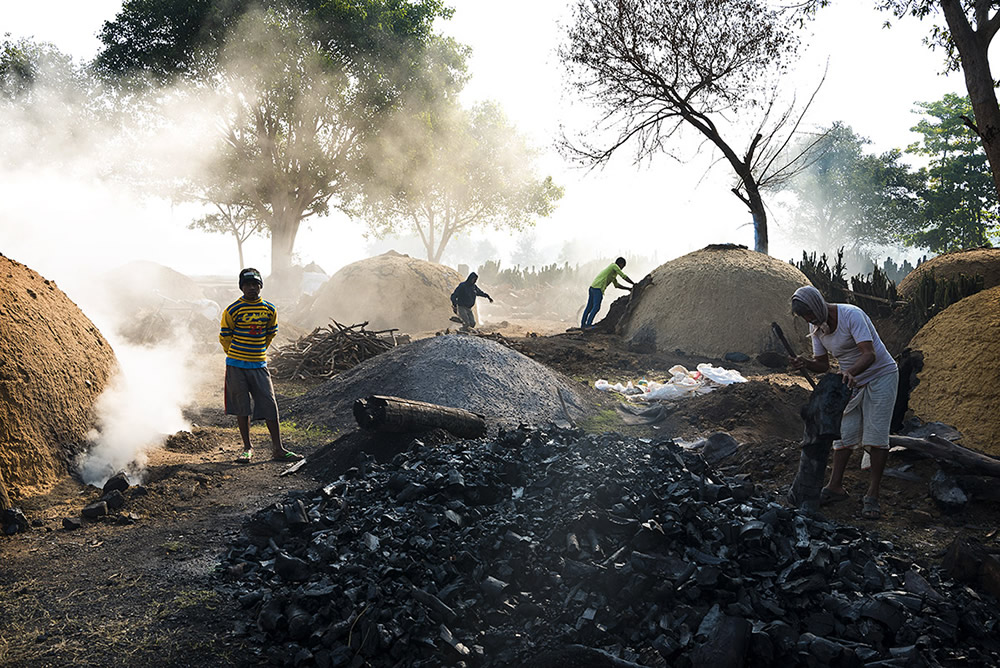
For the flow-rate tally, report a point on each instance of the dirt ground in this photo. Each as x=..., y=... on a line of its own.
x=143, y=589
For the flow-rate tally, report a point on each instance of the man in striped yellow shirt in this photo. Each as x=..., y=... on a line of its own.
x=248, y=326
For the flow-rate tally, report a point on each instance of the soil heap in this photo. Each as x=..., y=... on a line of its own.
x=958, y=385
x=148, y=285
x=460, y=371
x=984, y=262
x=388, y=290
x=717, y=300
x=54, y=364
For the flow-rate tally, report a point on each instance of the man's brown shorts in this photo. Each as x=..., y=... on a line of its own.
x=242, y=384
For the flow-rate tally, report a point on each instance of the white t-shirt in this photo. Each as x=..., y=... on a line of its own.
x=853, y=326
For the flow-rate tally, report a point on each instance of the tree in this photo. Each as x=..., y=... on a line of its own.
x=446, y=171
x=232, y=218
x=655, y=66
x=310, y=80
x=848, y=198
x=960, y=202
x=970, y=26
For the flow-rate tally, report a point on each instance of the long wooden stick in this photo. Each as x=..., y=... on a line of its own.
x=781, y=337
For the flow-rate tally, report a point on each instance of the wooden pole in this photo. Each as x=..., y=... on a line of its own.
x=394, y=414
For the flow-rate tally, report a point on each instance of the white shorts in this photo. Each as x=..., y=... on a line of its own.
x=868, y=414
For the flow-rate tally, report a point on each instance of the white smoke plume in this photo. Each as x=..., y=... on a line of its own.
x=139, y=409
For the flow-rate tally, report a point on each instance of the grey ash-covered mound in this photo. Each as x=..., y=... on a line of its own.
x=552, y=547
x=459, y=371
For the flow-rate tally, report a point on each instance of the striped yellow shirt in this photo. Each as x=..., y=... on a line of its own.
x=247, y=329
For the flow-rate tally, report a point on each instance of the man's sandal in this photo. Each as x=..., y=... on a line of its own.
x=829, y=496
x=871, y=509
x=245, y=457
x=287, y=456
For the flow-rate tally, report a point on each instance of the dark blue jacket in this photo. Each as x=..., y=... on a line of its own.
x=466, y=292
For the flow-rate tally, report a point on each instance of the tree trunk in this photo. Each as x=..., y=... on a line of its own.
x=393, y=414
x=760, y=229
x=239, y=249
x=973, y=47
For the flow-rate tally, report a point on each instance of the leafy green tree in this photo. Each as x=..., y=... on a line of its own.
x=960, y=202
x=311, y=79
x=847, y=198
x=653, y=67
x=968, y=30
x=445, y=173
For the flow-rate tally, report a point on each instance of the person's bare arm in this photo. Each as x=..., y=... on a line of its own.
x=867, y=358
x=820, y=364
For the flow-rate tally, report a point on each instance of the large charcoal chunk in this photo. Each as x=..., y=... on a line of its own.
x=946, y=492
x=119, y=482
x=726, y=640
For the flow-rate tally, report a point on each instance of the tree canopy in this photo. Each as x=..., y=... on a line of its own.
x=444, y=172
x=653, y=67
x=960, y=202
x=848, y=198
x=968, y=30
x=310, y=80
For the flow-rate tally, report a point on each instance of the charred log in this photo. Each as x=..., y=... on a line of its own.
x=950, y=453
x=393, y=414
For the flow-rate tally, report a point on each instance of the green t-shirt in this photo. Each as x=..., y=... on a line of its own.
x=607, y=276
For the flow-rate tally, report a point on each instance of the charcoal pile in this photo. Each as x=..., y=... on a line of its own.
x=551, y=547
x=331, y=349
x=457, y=371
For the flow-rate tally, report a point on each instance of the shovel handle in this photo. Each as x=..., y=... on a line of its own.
x=781, y=337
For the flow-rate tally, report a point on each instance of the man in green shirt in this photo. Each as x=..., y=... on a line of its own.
x=608, y=276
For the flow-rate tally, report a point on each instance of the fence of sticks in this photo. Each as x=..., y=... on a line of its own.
x=331, y=349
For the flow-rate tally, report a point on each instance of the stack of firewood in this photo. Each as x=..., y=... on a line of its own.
x=332, y=349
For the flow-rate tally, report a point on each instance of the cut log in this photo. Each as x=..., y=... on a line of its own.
x=950, y=453
x=397, y=415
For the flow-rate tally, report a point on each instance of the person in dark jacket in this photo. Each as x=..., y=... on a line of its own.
x=463, y=299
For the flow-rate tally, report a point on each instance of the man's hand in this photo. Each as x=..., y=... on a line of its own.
x=797, y=363
x=850, y=380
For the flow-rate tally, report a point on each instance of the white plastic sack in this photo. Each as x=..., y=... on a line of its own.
x=721, y=376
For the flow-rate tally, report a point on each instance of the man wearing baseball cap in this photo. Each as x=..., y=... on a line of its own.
x=248, y=326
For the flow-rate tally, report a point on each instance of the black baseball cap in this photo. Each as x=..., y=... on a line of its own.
x=250, y=274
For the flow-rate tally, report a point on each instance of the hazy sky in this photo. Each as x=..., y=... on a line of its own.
x=875, y=76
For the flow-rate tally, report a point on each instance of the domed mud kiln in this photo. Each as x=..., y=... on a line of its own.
x=958, y=385
x=54, y=363
x=984, y=262
x=389, y=290
x=717, y=300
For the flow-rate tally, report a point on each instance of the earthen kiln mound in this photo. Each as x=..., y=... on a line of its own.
x=717, y=300
x=460, y=371
x=54, y=363
x=147, y=285
x=388, y=290
x=958, y=385
x=984, y=262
